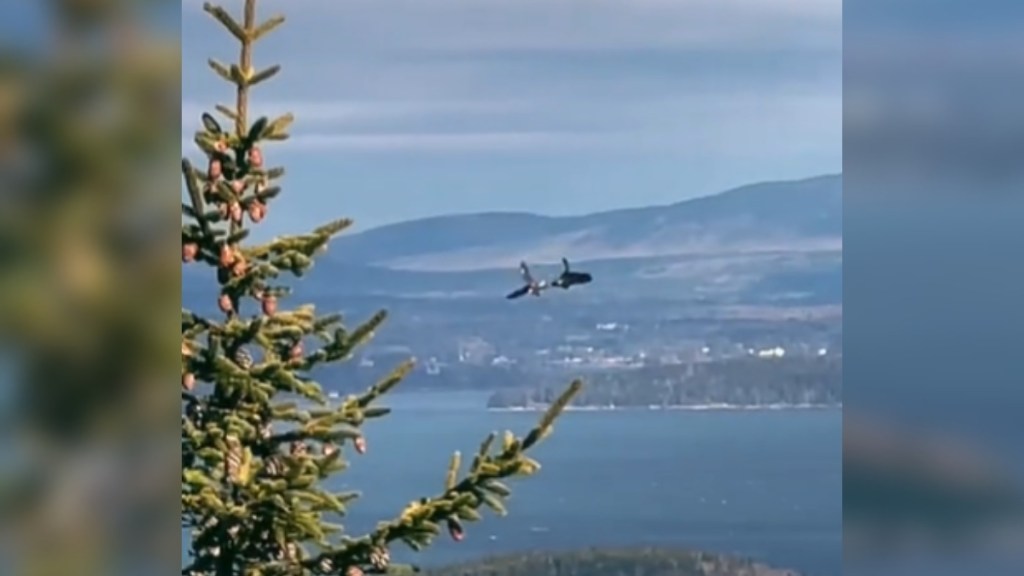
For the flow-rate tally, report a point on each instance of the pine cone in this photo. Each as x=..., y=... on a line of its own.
x=380, y=558
x=243, y=358
x=233, y=459
x=189, y=250
x=274, y=466
x=235, y=212
x=455, y=530
x=257, y=211
x=227, y=256
x=255, y=157
x=326, y=565
x=269, y=305
x=360, y=445
x=297, y=448
x=239, y=268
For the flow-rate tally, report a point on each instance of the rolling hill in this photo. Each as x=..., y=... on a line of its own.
x=775, y=217
x=769, y=243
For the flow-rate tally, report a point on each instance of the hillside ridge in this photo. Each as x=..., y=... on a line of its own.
x=735, y=191
x=794, y=216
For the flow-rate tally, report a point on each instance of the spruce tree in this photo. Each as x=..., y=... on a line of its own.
x=259, y=438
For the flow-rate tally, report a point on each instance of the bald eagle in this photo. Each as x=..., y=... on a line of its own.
x=570, y=278
x=531, y=286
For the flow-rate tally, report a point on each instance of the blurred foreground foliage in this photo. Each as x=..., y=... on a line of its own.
x=89, y=143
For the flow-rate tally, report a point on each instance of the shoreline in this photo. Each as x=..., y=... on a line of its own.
x=719, y=407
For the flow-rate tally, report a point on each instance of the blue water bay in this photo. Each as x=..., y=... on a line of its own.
x=763, y=484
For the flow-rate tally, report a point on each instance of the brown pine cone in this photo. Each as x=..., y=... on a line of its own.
x=269, y=305
x=455, y=530
x=255, y=157
x=235, y=212
x=224, y=302
x=380, y=558
x=233, y=459
x=227, y=256
x=189, y=250
x=239, y=268
x=257, y=211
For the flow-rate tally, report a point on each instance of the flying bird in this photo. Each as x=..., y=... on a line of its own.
x=532, y=286
x=570, y=278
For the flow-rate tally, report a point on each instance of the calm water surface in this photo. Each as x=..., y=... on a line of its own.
x=764, y=484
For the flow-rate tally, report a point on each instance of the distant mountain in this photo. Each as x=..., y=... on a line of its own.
x=793, y=216
x=771, y=243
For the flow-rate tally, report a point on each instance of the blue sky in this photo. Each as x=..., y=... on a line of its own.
x=410, y=108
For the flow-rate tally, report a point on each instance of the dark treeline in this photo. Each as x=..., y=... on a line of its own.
x=741, y=382
x=611, y=562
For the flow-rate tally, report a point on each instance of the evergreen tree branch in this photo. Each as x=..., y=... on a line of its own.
x=267, y=27
x=227, y=21
x=221, y=70
x=263, y=75
x=278, y=128
x=417, y=525
x=251, y=494
x=245, y=64
x=227, y=112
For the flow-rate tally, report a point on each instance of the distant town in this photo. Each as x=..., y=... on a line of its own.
x=696, y=359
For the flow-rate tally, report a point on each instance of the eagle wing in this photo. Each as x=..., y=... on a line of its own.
x=517, y=293
x=524, y=270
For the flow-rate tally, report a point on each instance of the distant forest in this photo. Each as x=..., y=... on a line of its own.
x=610, y=562
x=739, y=382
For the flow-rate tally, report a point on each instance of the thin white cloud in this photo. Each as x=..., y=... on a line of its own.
x=475, y=25
x=357, y=76
x=351, y=112
x=788, y=120
x=440, y=142
x=436, y=142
